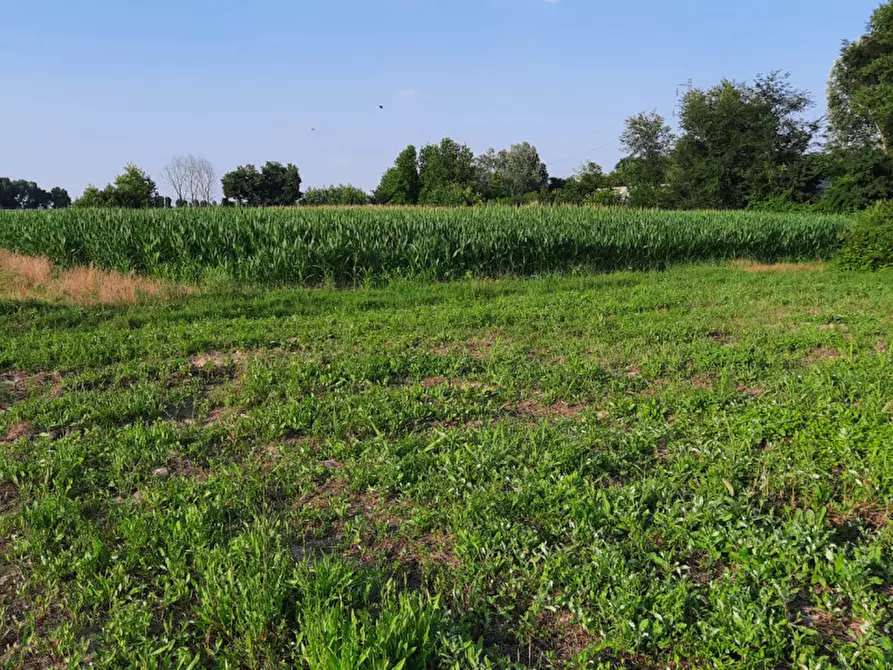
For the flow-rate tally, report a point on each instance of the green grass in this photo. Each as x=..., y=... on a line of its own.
x=361, y=245
x=630, y=470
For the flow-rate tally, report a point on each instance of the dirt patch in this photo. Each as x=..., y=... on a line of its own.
x=9, y=494
x=720, y=337
x=753, y=266
x=559, y=633
x=17, y=431
x=534, y=408
x=868, y=514
x=215, y=359
x=823, y=353
x=633, y=371
x=702, y=381
x=16, y=386
x=35, y=278
x=752, y=391
x=402, y=544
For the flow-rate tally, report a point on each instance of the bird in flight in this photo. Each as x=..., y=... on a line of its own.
x=381, y=106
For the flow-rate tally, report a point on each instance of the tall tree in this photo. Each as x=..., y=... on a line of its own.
x=648, y=143
x=192, y=179
x=400, y=184
x=242, y=186
x=860, y=91
x=22, y=194
x=741, y=144
x=279, y=185
x=134, y=189
x=59, y=198
x=447, y=173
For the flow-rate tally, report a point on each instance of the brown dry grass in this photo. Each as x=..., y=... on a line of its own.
x=753, y=266
x=35, y=278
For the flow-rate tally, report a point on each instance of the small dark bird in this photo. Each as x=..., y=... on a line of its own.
x=381, y=106
x=313, y=129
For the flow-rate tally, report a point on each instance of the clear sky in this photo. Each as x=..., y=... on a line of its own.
x=90, y=85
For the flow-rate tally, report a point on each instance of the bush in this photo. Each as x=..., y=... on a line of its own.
x=869, y=243
x=343, y=194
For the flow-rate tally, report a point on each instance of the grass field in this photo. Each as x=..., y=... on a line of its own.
x=362, y=245
x=683, y=469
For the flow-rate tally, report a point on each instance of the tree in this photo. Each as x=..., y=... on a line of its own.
x=741, y=144
x=134, y=189
x=22, y=194
x=59, y=198
x=860, y=90
x=447, y=174
x=400, y=184
x=191, y=178
x=510, y=173
x=648, y=142
x=279, y=185
x=276, y=185
x=242, y=186
x=343, y=194
x=859, y=177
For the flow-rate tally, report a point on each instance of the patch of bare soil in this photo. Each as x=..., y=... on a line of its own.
x=752, y=391
x=823, y=353
x=559, y=633
x=402, y=544
x=15, y=386
x=17, y=431
x=868, y=514
x=531, y=407
x=9, y=494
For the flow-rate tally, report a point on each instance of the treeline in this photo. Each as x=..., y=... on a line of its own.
x=739, y=145
x=21, y=194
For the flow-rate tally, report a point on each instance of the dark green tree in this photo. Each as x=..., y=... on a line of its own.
x=447, y=174
x=279, y=185
x=59, y=198
x=741, y=144
x=400, y=184
x=241, y=186
x=134, y=189
x=860, y=91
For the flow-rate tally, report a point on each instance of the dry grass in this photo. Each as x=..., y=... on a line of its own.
x=753, y=266
x=35, y=278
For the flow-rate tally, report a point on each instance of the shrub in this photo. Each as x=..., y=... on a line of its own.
x=343, y=194
x=869, y=243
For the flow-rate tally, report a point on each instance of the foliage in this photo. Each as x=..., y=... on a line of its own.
x=447, y=174
x=274, y=185
x=22, y=194
x=606, y=197
x=510, y=174
x=400, y=185
x=859, y=177
x=688, y=469
x=648, y=143
x=353, y=245
x=868, y=244
x=740, y=143
x=343, y=194
x=860, y=90
x=132, y=189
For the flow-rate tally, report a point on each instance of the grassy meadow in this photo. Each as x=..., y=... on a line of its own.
x=679, y=469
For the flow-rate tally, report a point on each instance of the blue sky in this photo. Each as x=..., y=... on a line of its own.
x=91, y=85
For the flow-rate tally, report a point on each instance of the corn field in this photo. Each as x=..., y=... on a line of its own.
x=354, y=245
